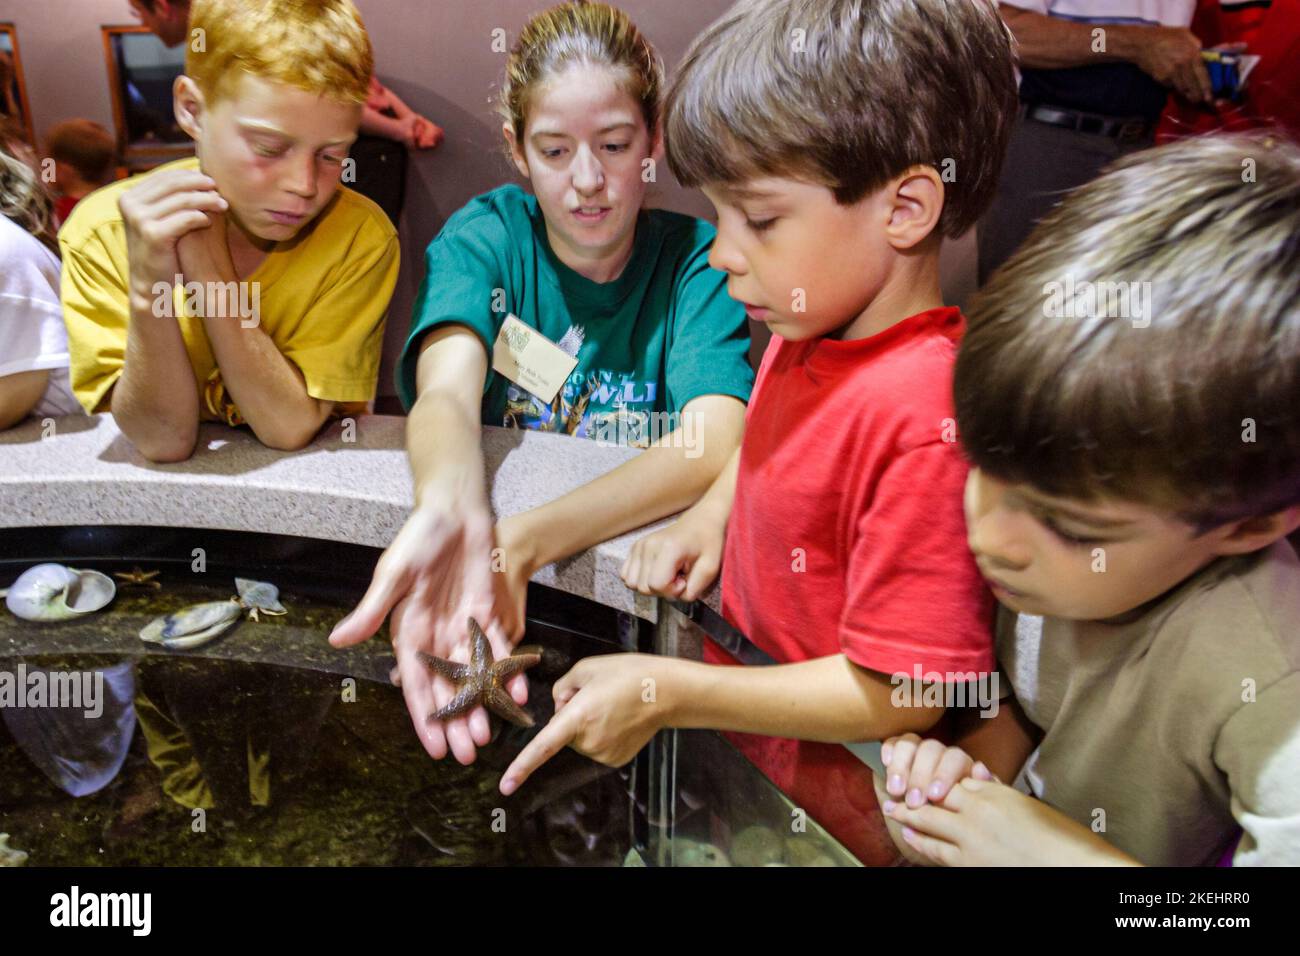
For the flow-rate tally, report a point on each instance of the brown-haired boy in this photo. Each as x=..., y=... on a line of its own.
x=84, y=153
x=840, y=141
x=1136, y=443
x=281, y=277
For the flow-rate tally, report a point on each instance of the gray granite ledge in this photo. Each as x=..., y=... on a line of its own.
x=87, y=473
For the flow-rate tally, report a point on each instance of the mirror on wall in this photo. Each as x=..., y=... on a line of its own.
x=141, y=72
x=14, y=109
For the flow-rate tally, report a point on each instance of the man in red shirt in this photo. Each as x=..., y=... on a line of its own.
x=845, y=541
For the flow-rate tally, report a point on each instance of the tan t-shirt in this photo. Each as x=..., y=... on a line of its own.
x=1179, y=728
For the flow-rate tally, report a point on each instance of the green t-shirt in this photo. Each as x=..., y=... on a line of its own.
x=662, y=333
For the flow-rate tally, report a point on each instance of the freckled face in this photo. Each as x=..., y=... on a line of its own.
x=276, y=153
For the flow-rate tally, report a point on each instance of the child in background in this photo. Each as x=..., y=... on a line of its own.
x=84, y=154
x=1136, y=473
x=628, y=295
x=295, y=272
x=840, y=142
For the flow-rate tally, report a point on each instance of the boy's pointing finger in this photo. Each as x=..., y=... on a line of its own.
x=552, y=738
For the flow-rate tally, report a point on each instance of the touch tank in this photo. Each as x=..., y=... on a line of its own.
x=265, y=746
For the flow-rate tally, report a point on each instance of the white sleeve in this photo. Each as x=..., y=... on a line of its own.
x=1259, y=750
x=32, y=335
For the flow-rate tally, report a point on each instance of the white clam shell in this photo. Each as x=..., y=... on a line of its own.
x=10, y=855
x=52, y=592
x=259, y=594
x=192, y=626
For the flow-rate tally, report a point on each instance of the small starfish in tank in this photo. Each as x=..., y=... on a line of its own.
x=483, y=679
x=138, y=578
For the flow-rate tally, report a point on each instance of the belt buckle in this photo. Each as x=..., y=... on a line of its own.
x=1094, y=125
x=1130, y=132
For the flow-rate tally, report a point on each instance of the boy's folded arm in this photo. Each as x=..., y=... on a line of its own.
x=273, y=385
x=828, y=699
x=127, y=357
x=155, y=399
x=269, y=389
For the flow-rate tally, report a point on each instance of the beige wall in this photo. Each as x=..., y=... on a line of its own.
x=435, y=54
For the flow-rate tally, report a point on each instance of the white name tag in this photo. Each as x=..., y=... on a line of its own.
x=531, y=360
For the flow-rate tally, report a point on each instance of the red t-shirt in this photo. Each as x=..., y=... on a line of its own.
x=847, y=535
x=63, y=207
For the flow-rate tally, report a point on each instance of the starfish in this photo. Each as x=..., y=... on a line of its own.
x=483, y=680
x=138, y=577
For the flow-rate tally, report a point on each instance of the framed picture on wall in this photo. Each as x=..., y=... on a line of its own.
x=141, y=72
x=13, y=85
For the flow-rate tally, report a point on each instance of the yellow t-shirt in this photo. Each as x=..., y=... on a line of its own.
x=322, y=298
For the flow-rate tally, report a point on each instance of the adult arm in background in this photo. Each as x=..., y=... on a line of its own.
x=1169, y=55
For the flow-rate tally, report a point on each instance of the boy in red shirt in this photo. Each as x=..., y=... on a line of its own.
x=840, y=142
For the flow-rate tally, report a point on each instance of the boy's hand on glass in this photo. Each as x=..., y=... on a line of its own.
x=157, y=213
x=682, y=560
x=606, y=708
x=918, y=770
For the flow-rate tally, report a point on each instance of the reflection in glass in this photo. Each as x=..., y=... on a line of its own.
x=268, y=747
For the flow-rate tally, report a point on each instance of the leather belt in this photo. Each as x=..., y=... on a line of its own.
x=1123, y=130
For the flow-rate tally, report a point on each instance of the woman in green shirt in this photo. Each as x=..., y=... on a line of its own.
x=661, y=354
